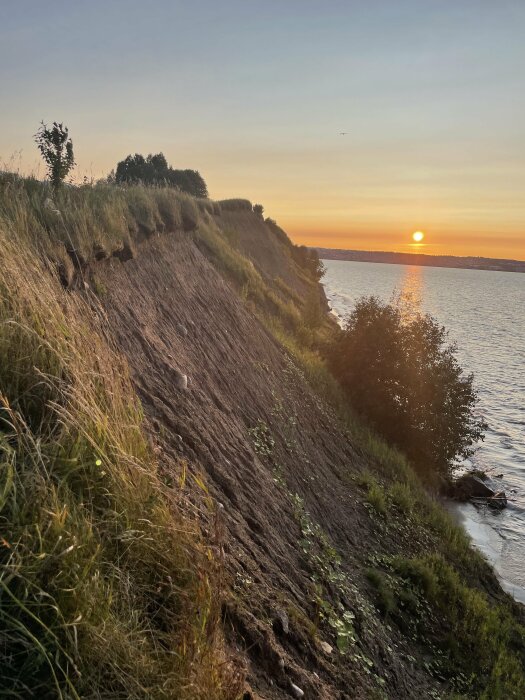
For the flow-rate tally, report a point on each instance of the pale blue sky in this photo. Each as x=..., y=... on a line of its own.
x=254, y=95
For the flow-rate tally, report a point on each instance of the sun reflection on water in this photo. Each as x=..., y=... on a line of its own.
x=409, y=295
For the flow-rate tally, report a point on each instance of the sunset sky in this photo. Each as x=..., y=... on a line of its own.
x=255, y=94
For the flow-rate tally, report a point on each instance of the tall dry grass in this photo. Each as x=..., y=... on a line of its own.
x=106, y=589
x=93, y=220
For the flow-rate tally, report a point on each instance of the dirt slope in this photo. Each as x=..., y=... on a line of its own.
x=262, y=439
x=259, y=243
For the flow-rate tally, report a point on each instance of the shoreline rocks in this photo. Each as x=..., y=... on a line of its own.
x=477, y=488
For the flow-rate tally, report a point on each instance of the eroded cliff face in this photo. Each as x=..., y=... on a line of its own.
x=340, y=574
x=225, y=401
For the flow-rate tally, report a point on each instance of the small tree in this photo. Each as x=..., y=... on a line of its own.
x=258, y=210
x=403, y=377
x=56, y=148
x=190, y=181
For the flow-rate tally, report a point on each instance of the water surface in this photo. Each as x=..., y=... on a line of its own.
x=484, y=312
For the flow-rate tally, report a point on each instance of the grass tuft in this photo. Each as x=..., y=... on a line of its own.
x=376, y=498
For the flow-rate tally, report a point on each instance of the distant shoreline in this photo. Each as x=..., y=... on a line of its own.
x=423, y=259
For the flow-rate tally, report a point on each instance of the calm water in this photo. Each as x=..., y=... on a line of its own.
x=485, y=314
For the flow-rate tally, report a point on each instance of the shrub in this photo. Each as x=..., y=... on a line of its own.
x=401, y=375
x=154, y=170
x=56, y=149
x=258, y=210
x=189, y=181
x=308, y=260
x=419, y=572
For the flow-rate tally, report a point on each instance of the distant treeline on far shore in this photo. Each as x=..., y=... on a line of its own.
x=469, y=263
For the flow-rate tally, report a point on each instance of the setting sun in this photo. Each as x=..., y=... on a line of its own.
x=418, y=236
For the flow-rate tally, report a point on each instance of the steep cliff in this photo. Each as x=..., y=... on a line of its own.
x=332, y=560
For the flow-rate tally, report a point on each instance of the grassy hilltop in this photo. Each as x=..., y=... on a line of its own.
x=188, y=506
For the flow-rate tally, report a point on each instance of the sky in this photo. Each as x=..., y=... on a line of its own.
x=255, y=94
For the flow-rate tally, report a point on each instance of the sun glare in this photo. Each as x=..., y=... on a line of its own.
x=418, y=236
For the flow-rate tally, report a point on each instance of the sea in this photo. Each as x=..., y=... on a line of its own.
x=484, y=313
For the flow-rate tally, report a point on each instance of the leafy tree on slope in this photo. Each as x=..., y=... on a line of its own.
x=402, y=376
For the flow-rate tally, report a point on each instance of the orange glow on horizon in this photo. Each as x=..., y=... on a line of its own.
x=468, y=244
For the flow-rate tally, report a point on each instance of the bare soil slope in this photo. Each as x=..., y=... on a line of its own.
x=264, y=441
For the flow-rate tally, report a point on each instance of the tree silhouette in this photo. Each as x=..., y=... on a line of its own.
x=402, y=375
x=56, y=149
x=154, y=170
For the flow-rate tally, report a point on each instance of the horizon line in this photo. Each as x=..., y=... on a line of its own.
x=427, y=255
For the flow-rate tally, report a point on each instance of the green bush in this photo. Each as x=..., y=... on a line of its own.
x=56, y=148
x=418, y=571
x=258, y=210
x=400, y=374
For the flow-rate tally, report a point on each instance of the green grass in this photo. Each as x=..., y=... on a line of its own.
x=287, y=292
x=402, y=496
x=241, y=271
x=481, y=645
x=376, y=498
x=385, y=599
x=106, y=589
x=92, y=217
x=475, y=645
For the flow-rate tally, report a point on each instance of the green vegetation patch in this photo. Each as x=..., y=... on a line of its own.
x=90, y=219
x=477, y=645
x=105, y=589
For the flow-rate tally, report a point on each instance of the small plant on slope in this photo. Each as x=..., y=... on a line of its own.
x=56, y=148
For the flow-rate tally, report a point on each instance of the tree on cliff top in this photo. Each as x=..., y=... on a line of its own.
x=258, y=210
x=402, y=376
x=56, y=148
x=154, y=170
